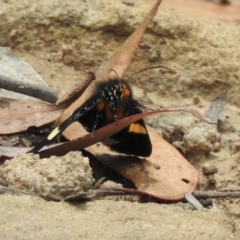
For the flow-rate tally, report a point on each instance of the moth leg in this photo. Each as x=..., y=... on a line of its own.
x=95, y=124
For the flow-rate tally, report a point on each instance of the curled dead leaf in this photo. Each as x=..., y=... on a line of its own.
x=109, y=130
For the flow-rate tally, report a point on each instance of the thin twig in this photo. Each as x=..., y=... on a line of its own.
x=7, y=190
x=41, y=92
x=216, y=194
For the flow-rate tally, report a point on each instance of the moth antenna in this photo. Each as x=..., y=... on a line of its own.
x=112, y=70
x=159, y=66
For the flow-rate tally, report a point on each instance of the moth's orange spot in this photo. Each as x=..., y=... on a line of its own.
x=137, y=128
x=125, y=92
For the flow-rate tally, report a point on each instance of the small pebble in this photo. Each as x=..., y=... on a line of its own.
x=209, y=169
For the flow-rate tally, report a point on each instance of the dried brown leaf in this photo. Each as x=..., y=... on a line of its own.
x=17, y=116
x=120, y=61
x=123, y=57
x=109, y=130
x=166, y=174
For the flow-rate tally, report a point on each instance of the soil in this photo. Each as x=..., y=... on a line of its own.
x=62, y=41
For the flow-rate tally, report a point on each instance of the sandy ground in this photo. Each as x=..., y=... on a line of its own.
x=62, y=41
x=35, y=218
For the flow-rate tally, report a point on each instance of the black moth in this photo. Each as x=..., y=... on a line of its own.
x=112, y=100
